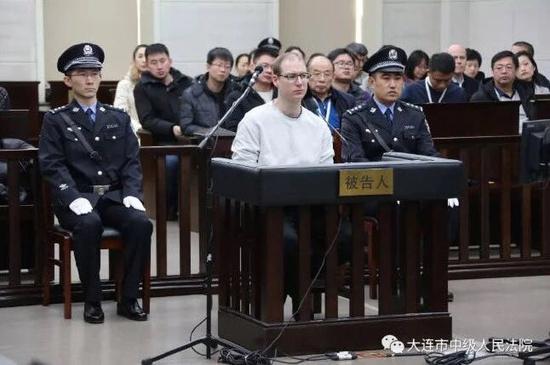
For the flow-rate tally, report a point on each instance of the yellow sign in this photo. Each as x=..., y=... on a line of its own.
x=366, y=182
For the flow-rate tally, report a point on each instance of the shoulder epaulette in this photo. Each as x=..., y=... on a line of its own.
x=59, y=109
x=112, y=107
x=413, y=106
x=356, y=108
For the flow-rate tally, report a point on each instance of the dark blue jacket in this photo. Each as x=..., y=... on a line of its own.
x=415, y=93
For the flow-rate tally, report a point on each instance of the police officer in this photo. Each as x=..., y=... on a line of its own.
x=385, y=123
x=98, y=184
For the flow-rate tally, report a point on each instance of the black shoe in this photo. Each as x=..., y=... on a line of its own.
x=93, y=312
x=131, y=310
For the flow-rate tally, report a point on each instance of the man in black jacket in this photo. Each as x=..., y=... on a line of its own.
x=321, y=98
x=504, y=86
x=262, y=92
x=158, y=93
x=469, y=85
x=202, y=104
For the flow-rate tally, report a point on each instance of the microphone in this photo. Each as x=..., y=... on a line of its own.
x=257, y=71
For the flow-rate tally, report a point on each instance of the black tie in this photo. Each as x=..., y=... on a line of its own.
x=90, y=115
x=389, y=116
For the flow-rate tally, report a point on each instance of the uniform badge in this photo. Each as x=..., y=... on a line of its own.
x=373, y=109
x=399, y=108
x=63, y=187
x=88, y=51
x=102, y=109
x=69, y=129
x=75, y=109
x=392, y=54
x=368, y=130
x=111, y=126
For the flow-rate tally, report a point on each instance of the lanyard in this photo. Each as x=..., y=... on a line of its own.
x=319, y=109
x=426, y=83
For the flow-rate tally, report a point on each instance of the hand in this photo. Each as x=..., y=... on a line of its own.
x=132, y=201
x=452, y=202
x=176, y=130
x=81, y=206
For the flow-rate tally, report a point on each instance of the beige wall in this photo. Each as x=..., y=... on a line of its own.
x=316, y=25
x=108, y=23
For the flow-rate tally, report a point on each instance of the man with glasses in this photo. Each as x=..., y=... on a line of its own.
x=321, y=98
x=282, y=132
x=90, y=191
x=202, y=104
x=262, y=92
x=504, y=86
x=344, y=73
x=384, y=122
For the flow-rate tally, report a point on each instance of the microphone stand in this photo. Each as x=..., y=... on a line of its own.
x=208, y=340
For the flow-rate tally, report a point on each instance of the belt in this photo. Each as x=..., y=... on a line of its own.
x=99, y=189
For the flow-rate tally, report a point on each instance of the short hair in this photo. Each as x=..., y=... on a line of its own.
x=221, y=53
x=296, y=48
x=527, y=45
x=137, y=49
x=503, y=54
x=358, y=48
x=414, y=60
x=472, y=54
x=241, y=56
x=262, y=51
x=316, y=55
x=442, y=62
x=276, y=66
x=156, y=48
x=340, y=51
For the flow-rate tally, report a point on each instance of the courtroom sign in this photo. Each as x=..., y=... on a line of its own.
x=358, y=182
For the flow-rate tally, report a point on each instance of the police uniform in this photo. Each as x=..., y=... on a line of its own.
x=408, y=131
x=71, y=173
x=271, y=43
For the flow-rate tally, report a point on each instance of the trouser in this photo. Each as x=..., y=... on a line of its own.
x=136, y=230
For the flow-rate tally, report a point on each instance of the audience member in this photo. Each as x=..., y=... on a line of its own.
x=321, y=98
x=504, y=86
x=469, y=85
x=523, y=46
x=124, y=95
x=417, y=66
x=528, y=72
x=361, y=54
x=157, y=96
x=202, y=104
x=262, y=92
x=344, y=71
x=437, y=87
x=384, y=122
x=473, y=63
x=297, y=50
x=88, y=192
x=242, y=65
x=4, y=99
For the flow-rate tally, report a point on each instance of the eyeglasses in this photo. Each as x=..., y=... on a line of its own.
x=86, y=74
x=319, y=75
x=293, y=77
x=225, y=66
x=344, y=64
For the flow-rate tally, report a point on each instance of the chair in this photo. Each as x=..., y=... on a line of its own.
x=110, y=240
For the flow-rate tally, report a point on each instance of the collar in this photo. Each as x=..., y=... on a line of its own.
x=502, y=94
x=458, y=79
x=86, y=107
x=382, y=107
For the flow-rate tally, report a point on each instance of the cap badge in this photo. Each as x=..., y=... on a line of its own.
x=88, y=51
x=270, y=40
x=392, y=54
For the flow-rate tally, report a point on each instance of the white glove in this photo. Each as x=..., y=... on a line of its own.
x=132, y=201
x=81, y=206
x=452, y=202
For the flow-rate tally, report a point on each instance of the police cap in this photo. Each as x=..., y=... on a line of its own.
x=83, y=55
x=386, y=59
x=270, y=42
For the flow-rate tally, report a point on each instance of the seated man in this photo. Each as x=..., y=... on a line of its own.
x=321, y=98
x=437, y=86
x=202, y=104
x=505, y=87
x=468, y=84
x=92, y=191
x=344, y=74
x=262, y=92
x=282, y=132
x=384, y=122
